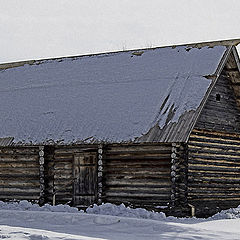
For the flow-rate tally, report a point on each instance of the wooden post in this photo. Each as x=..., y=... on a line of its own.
x=41, y=175
x=54, y=199
x=100, y=173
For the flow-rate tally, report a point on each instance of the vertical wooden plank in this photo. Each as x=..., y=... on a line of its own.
x=85, y=178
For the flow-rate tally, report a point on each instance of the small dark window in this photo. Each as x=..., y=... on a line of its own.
x=218, y=97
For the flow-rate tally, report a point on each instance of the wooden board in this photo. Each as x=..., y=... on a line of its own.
x=85, y=179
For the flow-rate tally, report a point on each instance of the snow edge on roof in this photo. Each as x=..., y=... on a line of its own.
x=229, y=42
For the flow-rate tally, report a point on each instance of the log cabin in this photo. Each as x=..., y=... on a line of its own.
x=156, y=128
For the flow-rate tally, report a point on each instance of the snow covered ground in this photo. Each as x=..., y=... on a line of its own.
x=27, y=221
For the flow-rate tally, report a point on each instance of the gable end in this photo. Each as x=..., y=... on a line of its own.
x=221, y=111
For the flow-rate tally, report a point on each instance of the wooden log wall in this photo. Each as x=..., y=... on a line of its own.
x=221, y=111
x=137, y=175
x=213, y=170
x=19, y=173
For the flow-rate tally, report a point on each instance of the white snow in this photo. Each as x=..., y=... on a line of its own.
x=122, y=211
x=109, y=97
x=29, y=221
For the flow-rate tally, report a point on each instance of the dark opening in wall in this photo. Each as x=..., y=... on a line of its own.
x=218, y=97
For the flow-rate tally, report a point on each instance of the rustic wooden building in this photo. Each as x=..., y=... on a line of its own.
x=151, y=128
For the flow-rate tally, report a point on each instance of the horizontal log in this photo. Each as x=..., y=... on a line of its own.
x=209, y=168
x=138, y=194
x=16, y=197
x=226, y=203
x=137, y=162
x=19, y=194
x=204, y=152
x=137, y=182
x=212, y=134
x=213, y=146
x=138, y=148
x=210, y=162
x=142, y=201
x=18, y=176
x=11, y=190
x=75, y=147
x=19, y=182
x=204, y=179
x=212, y=191
x=218, y=175
x=213, y=196
x=214, y=141
x=128, y=167
x=21, y=164
x=137, y=190
x=213, y=157
x=140, y=178
x=222, y=136
x=124, y=170
x=164, y=156
x=23, y=171
x=19, y=150
x=140, y=175
x=210, y=185
x=18, y=158
x=63, y=159
x=220, y=125
x=121, y=187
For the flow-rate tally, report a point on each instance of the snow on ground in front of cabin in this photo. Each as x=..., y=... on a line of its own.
x=29, y=221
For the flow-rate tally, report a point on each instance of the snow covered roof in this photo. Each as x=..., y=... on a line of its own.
x=147, y=95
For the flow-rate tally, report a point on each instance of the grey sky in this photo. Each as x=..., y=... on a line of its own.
x=50, y=28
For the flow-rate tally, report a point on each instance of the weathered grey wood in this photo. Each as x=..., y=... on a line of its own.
x=85, y=178
x=137, y=175
x=139, y=201
x=213, y=169
x=221, y=115
x=214, y=161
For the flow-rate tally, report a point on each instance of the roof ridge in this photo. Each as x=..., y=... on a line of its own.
x=229, y=42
